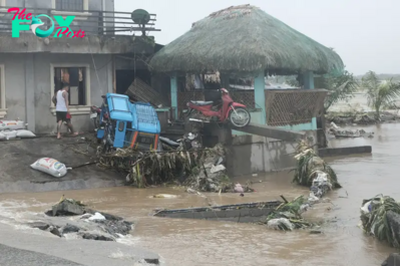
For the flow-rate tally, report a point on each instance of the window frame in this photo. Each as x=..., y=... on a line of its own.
x=72, y=13
x=74, y=109
x=3, y=4
x=3, y=107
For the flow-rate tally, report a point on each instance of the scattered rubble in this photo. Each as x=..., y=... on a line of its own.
x=89, y=224
x=346, y=133
x=392, y=260
x=363, y=118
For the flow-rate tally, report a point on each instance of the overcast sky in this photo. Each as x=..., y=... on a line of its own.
x=365, y=33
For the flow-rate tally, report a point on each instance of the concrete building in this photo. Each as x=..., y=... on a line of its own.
x=33, y=68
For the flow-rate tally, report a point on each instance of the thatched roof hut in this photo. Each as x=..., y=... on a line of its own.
x=244, y=39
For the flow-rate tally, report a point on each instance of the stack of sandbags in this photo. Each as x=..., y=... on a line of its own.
x=11, y=129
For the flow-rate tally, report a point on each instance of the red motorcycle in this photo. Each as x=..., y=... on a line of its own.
x=227, y=110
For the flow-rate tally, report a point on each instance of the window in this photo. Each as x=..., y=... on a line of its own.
x=70, y=5
x=78, y=78
x=2, y=92
x=75, y=77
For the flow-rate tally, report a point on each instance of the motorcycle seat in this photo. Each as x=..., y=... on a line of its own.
x=202, y=103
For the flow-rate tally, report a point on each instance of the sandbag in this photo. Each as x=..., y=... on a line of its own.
x=9, y=134
x=50, y=166
x=2, y=136
x=11, y=124
x=23, y=133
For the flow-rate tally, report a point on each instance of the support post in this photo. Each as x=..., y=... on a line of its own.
x=259, y=96
x=30, y=92
x=308, y=78
x=174, y=96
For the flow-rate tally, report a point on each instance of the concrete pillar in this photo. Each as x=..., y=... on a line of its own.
x=174, y=96
x=110, y=74
x=308, y=78
x=30, y=88
x=259, y=96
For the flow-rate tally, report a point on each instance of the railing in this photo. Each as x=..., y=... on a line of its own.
x=293, y=107
x=92, y=22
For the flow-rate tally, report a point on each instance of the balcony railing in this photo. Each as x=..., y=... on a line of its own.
x=92, y=22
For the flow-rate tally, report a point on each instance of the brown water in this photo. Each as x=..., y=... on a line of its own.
x=196, y=242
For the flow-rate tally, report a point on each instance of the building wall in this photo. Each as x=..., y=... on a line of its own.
x=252, y=154
x=28, y=87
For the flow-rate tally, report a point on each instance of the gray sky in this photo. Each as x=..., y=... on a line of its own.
x=363, y=32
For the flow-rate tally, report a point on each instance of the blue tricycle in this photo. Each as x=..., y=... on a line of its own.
x=123, y=124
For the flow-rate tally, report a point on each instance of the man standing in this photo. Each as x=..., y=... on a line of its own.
x=62, y=110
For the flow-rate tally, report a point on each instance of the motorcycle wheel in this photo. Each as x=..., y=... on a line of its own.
x=239, y=117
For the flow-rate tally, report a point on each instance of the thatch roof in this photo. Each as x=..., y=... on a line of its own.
x=244, y=39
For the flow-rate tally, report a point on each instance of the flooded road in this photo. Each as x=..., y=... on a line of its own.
x=193, y=242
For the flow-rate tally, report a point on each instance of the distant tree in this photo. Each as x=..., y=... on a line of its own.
x=341, y=87
x=380, y=94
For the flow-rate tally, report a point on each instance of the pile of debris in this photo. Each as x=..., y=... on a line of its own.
x=346, y=133
x=201, y=169
x=89, y=224
x=287, y=216
x=311, y=170
x=380, y=217
x=11, y=129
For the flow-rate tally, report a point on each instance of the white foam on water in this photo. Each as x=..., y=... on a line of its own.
x=128, y=240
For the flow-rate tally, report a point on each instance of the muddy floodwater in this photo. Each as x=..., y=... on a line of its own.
x=195, y=242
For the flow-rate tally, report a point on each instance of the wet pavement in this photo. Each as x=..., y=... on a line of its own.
x=16, y=156
x=19, y=257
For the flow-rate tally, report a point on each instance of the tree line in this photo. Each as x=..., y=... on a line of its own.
x=382, y=90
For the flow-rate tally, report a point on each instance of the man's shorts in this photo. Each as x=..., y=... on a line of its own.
x=62, y=116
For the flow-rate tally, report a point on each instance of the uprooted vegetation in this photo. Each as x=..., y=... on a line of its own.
x=380, y=217
x=287, y=216
x=311, y=171
x=199, y=169
x=310, y=166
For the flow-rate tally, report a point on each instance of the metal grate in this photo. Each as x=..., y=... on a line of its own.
x=291, y=107
x=69, y=5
